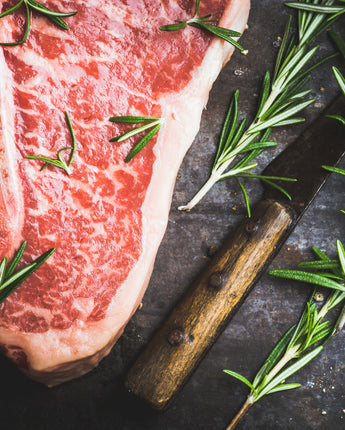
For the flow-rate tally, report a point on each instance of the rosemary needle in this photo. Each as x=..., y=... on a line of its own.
x=54, y=17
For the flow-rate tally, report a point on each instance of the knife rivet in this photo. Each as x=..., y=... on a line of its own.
x=251, y=227
x=176, y=337
x=216, y=280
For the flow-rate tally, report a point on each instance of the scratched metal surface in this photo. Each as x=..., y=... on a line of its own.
x=211, y=398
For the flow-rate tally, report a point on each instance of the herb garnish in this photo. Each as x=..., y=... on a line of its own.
x=54, y=17
x=59, y=162
x=281, y=99
x=203, y=23
x=304, y=340
x=9, y=280
x=152, y=123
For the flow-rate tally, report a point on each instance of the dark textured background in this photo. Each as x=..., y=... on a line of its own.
x=211, y=398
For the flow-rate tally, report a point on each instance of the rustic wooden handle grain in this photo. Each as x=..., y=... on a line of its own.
x=196, y=322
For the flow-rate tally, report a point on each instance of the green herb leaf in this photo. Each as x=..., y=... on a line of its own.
x=244, y=192
x=174, y=27
x=335, y=170
x=319, y=8
x=222, y=33
x=240, y=378
x=319, y=265
x=142, y=143
x=284, y=387
x=341, y=254
x=14, y=263
x=340, y=78
x=309, y=278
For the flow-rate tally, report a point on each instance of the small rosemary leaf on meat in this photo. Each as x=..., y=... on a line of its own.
x=221, y=32
x=53, y=16
x=133, y=132
x=151, y=124
x=59, y=161
x=174, y=27
x=132, y=119
x=203, y=23
x=143, y=142
x=9, y=280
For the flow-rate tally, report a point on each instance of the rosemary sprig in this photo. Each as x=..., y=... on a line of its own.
x=59, y=162
x=304, y=340
x=151, y=124
x=54, y=17
x=9, y=280
x=204, y=23
x=282, y=98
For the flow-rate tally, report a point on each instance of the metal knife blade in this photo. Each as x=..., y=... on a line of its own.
x=323, y=143
x=195, y=323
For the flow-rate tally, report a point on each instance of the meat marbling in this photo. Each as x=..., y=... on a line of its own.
x=107, y=219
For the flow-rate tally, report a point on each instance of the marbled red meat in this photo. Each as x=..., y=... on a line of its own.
x=106, y=220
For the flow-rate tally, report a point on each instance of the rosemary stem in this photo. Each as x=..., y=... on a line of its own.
x=328, y=305
x=215, y=176
x=289, y=355
x=246, y=405
x=270, y=100
x=341, y=322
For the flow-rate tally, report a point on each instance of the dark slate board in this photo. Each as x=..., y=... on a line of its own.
x=211, y=398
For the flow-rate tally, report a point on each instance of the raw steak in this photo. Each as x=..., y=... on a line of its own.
x=106, y=219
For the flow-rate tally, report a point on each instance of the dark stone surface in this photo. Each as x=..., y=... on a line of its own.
x=211, y=398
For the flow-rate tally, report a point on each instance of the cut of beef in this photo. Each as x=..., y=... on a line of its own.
x=107, y=219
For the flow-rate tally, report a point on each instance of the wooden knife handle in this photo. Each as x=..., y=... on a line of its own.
x=199, y=318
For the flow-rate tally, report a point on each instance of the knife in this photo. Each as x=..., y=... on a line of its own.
x=196, y=322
